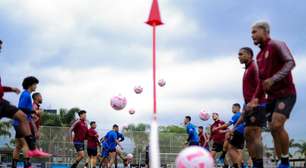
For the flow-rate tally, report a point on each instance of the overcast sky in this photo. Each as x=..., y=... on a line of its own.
x=84, y=52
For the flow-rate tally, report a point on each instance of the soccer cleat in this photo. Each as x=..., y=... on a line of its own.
x=38, y=153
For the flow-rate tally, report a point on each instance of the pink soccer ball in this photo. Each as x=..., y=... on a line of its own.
x=129, y=156
x=118, y=102
x=204, y=115
x=132, y=111
x=194, y=157
x=161, y=82
x=138, y=89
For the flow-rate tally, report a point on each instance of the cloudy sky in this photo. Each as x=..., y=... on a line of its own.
x=84, y=52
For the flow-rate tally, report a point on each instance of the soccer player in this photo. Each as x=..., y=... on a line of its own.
x=23, y=129
x=275, y=63
x=92, y=145
x=217, y=135
x=254, y=119
x=37, y=101
x=29, y=85
x=203, y=142
x=109, y=145
x=80, y=129
x=236, y=142
x=193, y=138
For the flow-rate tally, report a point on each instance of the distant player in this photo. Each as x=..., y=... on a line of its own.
x=193, y=138
x=92, y=145
x=80, y=129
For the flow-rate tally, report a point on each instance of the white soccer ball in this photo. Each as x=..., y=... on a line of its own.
x=129, y=156
x=138, y=89
x=194, y=157
x=161, y=82
x=204, y=115
x=118, y=102
x=132, y=111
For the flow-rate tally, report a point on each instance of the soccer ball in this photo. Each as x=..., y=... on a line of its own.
x=204, y=115
x=118, y=102
x=138, y=89
x=132, y=111
x=129, y=156
x=194, y=157
x=161, y=82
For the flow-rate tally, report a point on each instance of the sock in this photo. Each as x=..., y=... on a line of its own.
x=30, y=139
x=285, y=159
x=14, y=163
x=236, y=165
x=257, y=163
x=223, y=155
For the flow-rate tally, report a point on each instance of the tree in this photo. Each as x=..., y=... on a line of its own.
x=63, y=119
x=5, y=127
x=301, y=148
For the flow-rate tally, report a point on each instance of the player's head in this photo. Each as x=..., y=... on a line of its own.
x=260, y=32
x=37, y=98
x=215, y=116
x=200, y=129
x=82, y=114
x=187, y=120
x=1, y=43
x=30, y=83
x=93, y=125
x=236, y=108
x=245, y=55
x=116, y=127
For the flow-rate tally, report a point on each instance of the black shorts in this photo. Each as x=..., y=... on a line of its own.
x=112, y=150
x=217, y=147
x=7, y=110
x=79, y=146
x=237, y=140
x=92, y=151
x=282, y=105
x=256, y=117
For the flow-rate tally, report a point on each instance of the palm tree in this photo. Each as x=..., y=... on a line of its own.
x=5, y=129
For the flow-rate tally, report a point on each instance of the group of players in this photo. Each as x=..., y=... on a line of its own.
x=269, y=97
x=110, y=144
x=26, y=119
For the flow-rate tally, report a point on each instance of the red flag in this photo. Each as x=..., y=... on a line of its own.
x=154, y=18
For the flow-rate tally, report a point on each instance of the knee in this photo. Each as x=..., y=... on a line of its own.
x=275, y=127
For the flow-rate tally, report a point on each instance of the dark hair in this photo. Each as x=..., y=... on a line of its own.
x=34, y=95
x=248, y=50
x=29, y=81
x=237, y=105
x=201, y=127
x=188, y=117
x=81, y=112
x=1, y=42
x=91, y=123
x=115, y=126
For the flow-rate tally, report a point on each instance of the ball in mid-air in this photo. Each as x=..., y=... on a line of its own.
x=204, y=115
x=161, y=82
x=132, y=111
x=138, y=89
x=118, y=102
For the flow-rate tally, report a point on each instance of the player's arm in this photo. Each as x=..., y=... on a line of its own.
x=240, y=120
x=286, y=56
x=10, y=89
